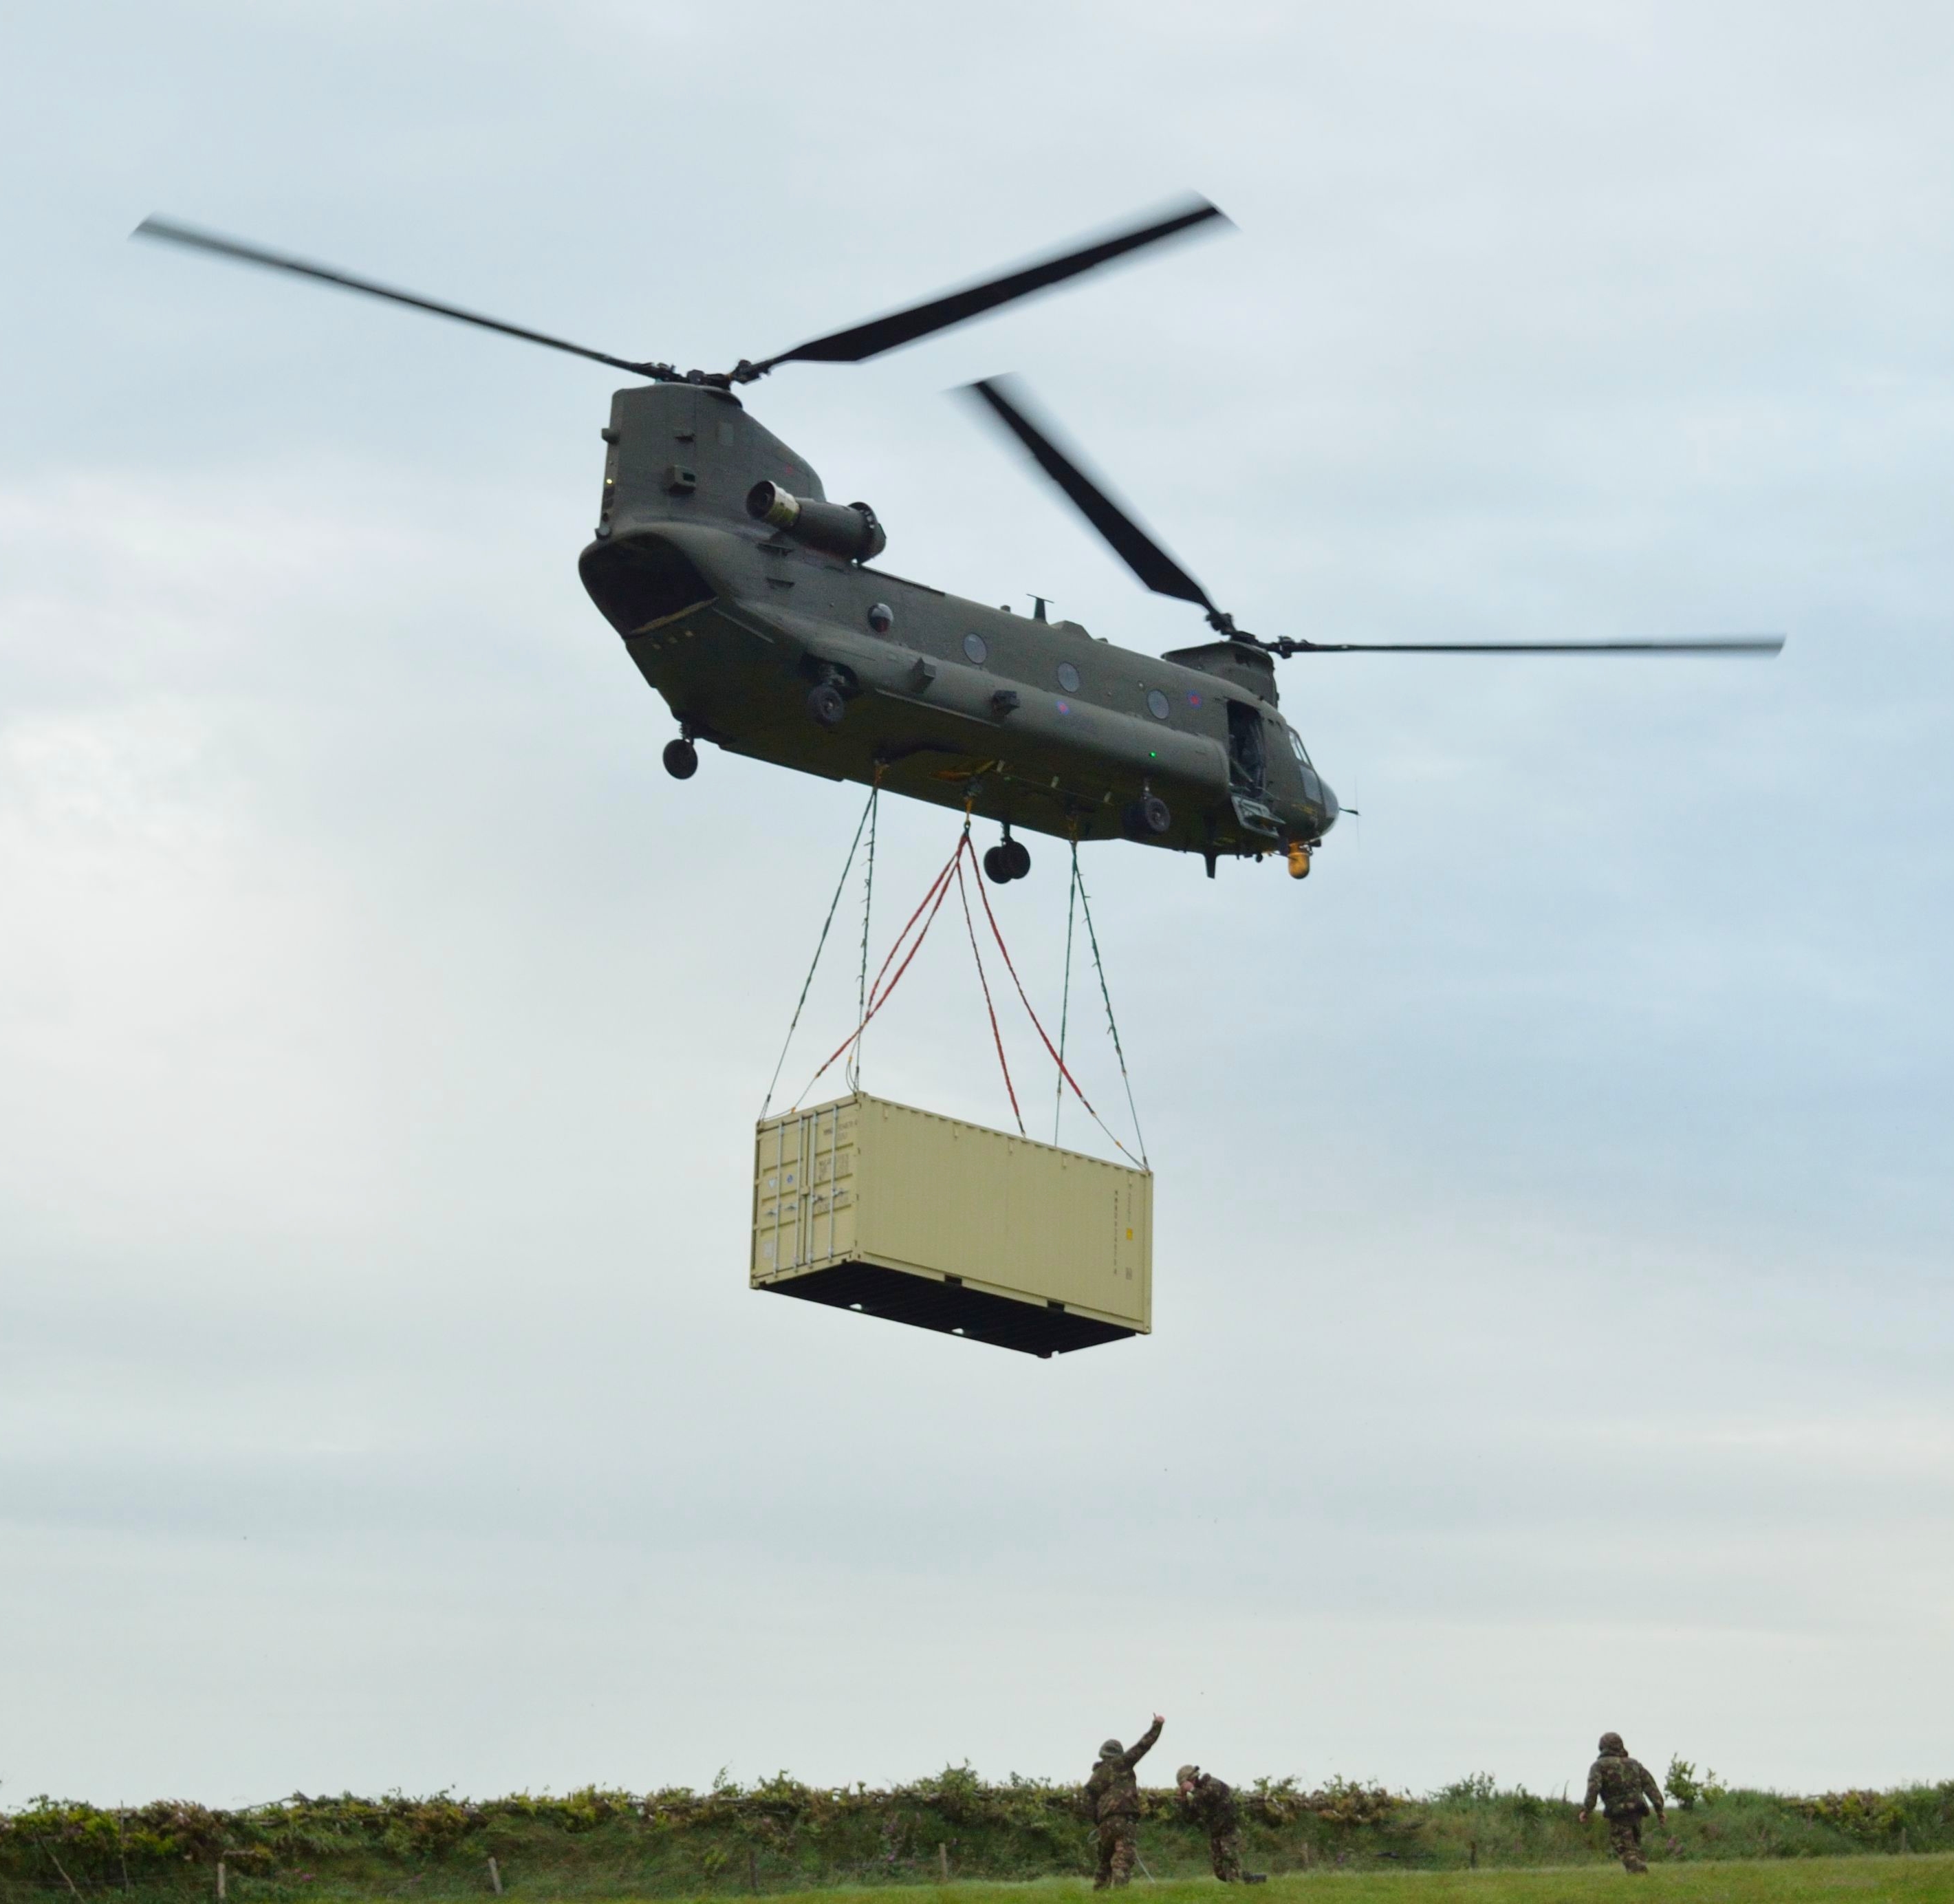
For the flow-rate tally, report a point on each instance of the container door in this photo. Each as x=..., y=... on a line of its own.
x=780, y=1210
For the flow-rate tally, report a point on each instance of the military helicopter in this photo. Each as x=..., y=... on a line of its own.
x=747, y=599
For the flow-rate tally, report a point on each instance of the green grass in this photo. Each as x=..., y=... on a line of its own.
x=1825, y=1880
x=1847, y=1880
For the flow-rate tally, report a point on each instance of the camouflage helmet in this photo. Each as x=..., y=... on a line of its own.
x=1111, y=1749
x=1187, y=1775
x=1612, y=1746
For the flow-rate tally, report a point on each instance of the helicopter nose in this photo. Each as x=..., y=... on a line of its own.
x=1330, y=809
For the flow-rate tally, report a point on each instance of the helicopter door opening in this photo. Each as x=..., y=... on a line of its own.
x=1248, y=764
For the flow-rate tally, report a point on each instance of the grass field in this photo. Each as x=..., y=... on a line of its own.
x=1815, y=1881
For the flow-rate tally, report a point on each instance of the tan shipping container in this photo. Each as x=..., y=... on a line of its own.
x=869, y=1205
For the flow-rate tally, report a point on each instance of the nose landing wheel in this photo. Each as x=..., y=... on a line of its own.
x=681, y=760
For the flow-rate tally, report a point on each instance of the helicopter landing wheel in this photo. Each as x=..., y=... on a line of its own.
x=1006, y=861
x=1148, y=816
x=824, y=702
x=681, y=760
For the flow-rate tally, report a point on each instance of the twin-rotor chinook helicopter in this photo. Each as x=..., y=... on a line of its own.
x=746, y=598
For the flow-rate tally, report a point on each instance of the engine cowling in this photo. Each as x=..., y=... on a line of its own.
x=850, y=531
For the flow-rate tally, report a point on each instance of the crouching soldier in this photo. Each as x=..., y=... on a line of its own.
x=1210, y=1805
x=1113, y=1802
x=1626, y=1789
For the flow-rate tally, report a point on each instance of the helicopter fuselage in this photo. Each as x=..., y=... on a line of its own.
x=1034, y=724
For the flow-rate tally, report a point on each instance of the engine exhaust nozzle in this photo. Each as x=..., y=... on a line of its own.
x=852, y=533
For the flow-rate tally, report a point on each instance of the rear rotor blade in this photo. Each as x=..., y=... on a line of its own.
x=1694, y=645
x=1131, y=543
x=881, y=334
x=172, y=233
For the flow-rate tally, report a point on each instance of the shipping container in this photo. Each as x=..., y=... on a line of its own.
x=865, y=1204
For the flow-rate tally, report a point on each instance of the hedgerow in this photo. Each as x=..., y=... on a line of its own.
x=781, y=1834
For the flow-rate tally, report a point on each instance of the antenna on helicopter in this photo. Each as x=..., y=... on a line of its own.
x=854, y=345
x=1007, y=401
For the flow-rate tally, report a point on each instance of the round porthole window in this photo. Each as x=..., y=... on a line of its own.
x=1157, y=704
x=1068, y=677
x=975, y=647
x=881, y=617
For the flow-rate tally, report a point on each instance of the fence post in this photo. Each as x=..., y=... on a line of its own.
x=494, y=1877
x=1472, y=1855
x=220, y=1881
x=752, y=1868
x=943, y=1859
x=65, y=1877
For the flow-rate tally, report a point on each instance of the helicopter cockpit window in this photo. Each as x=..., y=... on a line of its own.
x=976, y=648
x=1296, y=746
x=1068, y=677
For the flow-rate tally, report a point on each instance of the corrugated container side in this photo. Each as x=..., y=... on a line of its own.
x=1024, y=1218
x=867, y=1204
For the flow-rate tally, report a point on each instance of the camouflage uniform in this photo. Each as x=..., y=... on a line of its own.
x=1627, y=1788
x=1210, y=1805
x=1112, y=1799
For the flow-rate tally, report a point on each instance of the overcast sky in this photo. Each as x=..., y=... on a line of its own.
x=1553, y=1310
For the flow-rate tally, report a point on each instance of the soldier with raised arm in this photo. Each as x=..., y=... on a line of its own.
x=1113, y=1800
x=1627, y=1789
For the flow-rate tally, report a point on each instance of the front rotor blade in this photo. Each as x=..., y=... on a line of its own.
x=1131, y=543
x=1698, y=645
x=183, y=234
x=881, y=334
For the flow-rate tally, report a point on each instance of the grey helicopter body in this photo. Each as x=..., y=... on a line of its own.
x=1037, y=725
x=751, y=603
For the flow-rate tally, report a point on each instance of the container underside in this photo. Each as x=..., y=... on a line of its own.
x=950, y=1309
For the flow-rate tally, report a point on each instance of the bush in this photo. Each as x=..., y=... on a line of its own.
x=1475, y=1788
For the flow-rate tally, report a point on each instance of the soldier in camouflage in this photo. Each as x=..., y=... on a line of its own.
x=1626, y=1789
x=1113, y=1802
x=1210, y=1804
